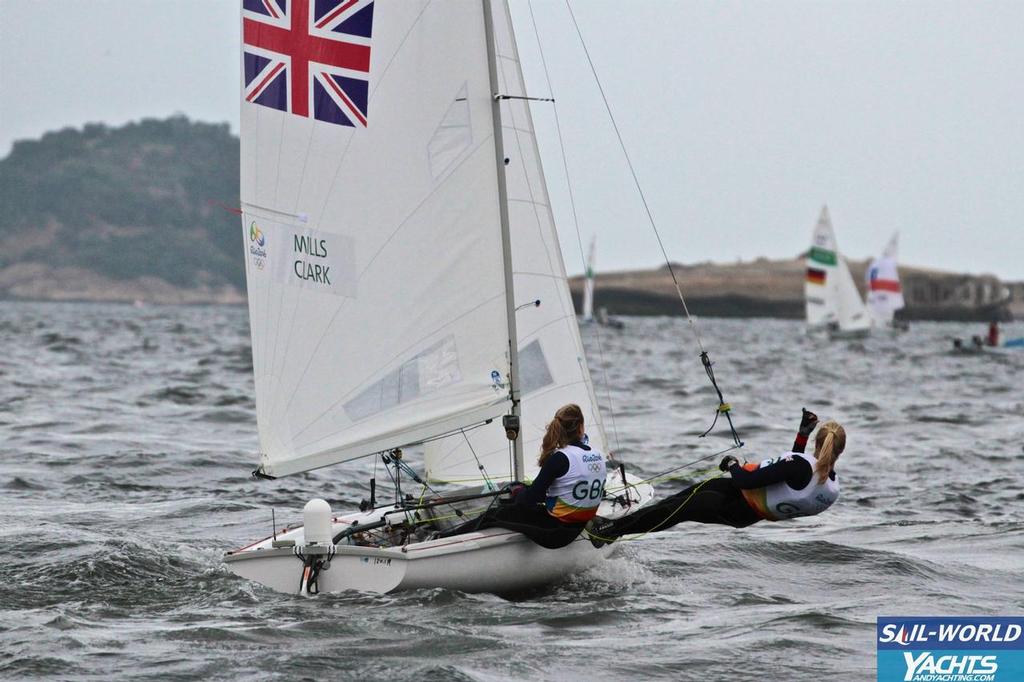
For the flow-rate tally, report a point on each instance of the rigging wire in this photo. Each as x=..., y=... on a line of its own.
x=663, y=476
x=575, y=220
x=636, y=180
x=479, y=464
x=400, y=464
x=723, y=407
x=664, y=521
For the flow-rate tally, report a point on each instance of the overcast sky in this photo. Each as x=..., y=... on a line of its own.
x=742, y=118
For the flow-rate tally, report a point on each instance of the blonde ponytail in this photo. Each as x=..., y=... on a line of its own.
x=828, y=445
x=561, y=431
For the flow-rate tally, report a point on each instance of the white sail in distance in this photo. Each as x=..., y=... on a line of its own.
x=553, y=369
x=588, y=284
x=851, y=313
x=821, y=286
x=885, y=294
x=377, y=296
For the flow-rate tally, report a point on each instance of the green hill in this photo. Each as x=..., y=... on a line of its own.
x=120, y=213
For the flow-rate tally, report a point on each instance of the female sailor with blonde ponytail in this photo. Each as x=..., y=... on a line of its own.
x=794, y=484
x=565, y=494
x=791, y=485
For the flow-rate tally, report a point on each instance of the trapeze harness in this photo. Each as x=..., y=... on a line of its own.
x=779, y=501
x=575, y=496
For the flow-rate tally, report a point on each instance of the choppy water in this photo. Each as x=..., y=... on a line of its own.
x=128, y=437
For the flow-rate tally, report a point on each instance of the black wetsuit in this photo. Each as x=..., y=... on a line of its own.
x=527, y=513
x=718, y=500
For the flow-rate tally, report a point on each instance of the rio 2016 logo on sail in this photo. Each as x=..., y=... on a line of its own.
x=257, y=246
x=950, y=649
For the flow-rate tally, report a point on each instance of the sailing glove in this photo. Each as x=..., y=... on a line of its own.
x=727, y=462
x=808, y=420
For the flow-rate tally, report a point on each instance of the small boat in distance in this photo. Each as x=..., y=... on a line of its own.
x=988, y=343
x=833, y=304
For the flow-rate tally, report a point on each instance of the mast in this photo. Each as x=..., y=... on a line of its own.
x=506, y=242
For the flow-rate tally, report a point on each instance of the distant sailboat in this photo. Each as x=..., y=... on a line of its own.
x=602, y=318
x=833, y=303
x=885, y=295
x=394, y=208
x=588, y=285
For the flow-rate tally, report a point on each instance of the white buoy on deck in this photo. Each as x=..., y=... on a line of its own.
x=316, y=516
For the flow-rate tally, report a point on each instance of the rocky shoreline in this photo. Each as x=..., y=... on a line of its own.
x=775, y=288
x=762, y=288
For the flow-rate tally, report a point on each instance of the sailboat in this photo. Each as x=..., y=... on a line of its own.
x=885, y=295
x=588, y=296
x=588, y=285
x=406, y=291
x=833, y=303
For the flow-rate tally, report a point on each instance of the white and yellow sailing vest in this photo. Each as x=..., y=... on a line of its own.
x=778, y=501
x=575, y=496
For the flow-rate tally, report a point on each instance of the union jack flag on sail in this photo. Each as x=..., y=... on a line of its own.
x=308, y=57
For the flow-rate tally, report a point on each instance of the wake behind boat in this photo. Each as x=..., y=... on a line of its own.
x=394, y=214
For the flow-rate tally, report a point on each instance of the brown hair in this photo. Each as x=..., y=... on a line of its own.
x=828, y=445
x=561, y=430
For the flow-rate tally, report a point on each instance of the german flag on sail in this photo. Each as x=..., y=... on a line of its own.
x=815, y=276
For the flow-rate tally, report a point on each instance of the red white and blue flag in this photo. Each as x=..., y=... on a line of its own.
x=878, y=281
x=308, y=57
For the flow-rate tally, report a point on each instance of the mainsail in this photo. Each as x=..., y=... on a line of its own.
x=885, y=295
x=377, y=296
x=552, y=367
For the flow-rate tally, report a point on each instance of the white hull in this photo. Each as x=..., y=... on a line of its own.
x=841, y=334
x=491, y=560
x=838, y=334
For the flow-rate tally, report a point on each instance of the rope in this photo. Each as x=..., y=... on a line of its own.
x=479, y=464
x=723, y=407
x=663, y=475
x=636, y=180
x=412, y=474
x=668, y=518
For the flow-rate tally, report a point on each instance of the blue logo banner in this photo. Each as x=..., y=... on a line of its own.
x=950, y=649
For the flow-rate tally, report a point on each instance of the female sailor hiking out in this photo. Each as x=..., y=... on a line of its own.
x=791, y=485
x=553, y=510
